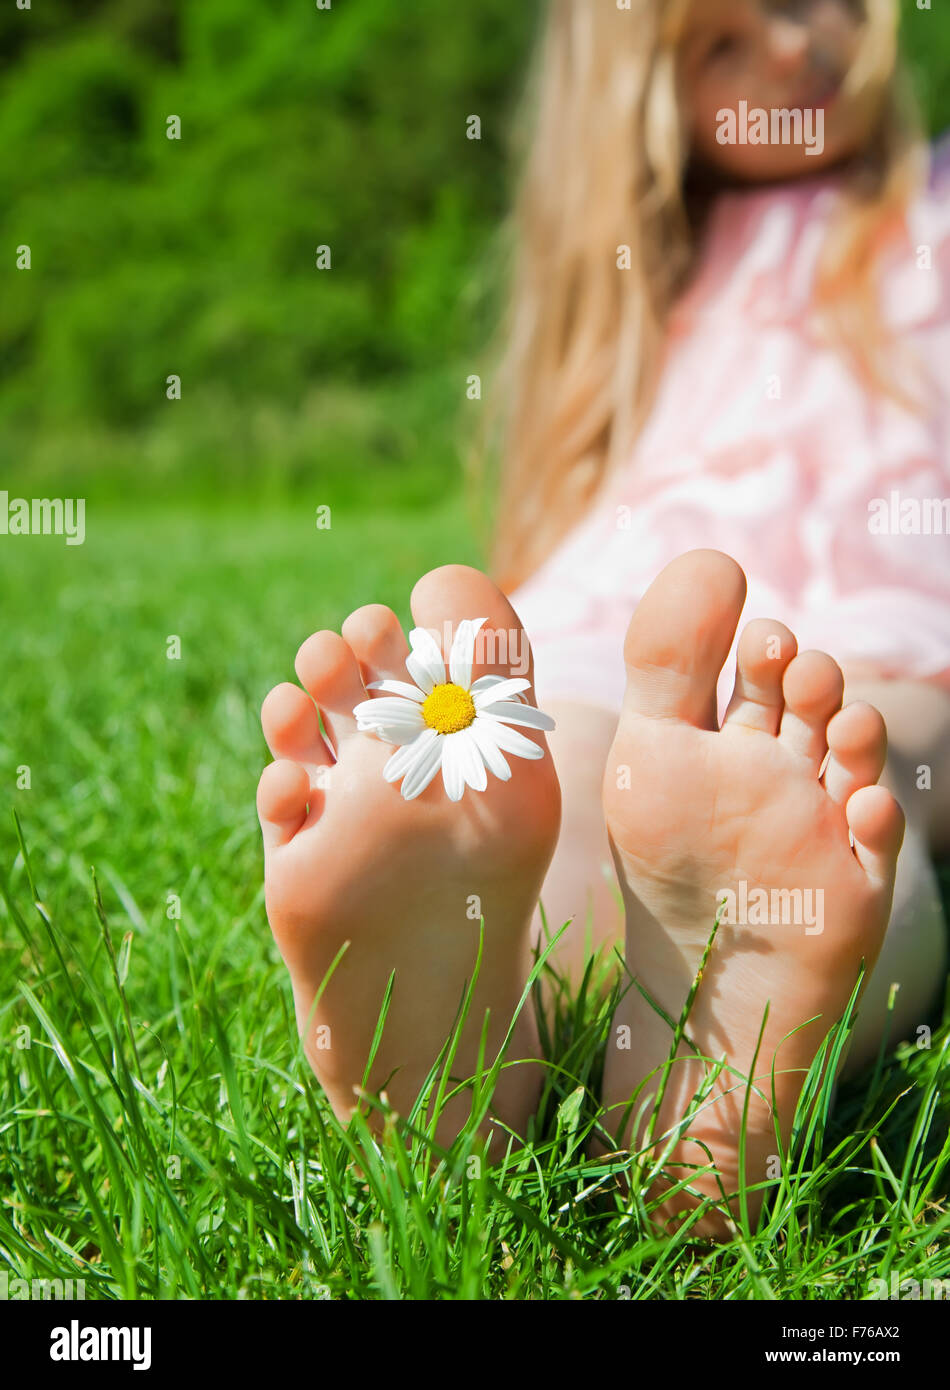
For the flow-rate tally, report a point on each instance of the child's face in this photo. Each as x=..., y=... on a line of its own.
x=771, y=55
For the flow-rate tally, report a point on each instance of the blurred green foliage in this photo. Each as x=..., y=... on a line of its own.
x=299, y=127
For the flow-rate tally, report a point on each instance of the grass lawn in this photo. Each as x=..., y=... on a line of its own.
x=159, y=1132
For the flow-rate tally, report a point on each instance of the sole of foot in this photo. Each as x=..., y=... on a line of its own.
x=399, y=886
x=774, y=822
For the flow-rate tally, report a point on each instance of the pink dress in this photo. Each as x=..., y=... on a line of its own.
x=762, y=443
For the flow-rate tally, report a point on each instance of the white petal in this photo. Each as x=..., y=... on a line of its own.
x=388, y=709
x=400, y=763
x=473, y=766
x=509, y=739
x=513, y=713
x=393, y=720
x=502, y=691
x=453, y=765
x=492, y=755
x=409, y=692
x=388, y=734
x=484, y=683
x=391, y=733
x=424, y=663
x=423, y=769
x=463, y=651
x=476, y=774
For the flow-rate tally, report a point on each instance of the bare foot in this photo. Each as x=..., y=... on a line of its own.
x=348, y=859
x=701, y=816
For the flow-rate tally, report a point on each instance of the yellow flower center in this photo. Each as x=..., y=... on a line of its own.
x=448, y=708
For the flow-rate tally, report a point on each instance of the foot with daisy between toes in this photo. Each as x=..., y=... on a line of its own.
x=434, y=787
x=371, y=845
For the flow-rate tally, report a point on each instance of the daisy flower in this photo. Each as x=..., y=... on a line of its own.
x=452, y=724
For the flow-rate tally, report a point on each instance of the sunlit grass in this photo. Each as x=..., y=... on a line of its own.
x=160, y=1133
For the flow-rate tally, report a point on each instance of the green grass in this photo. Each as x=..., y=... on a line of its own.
x=374, y=446
x=160, y=1135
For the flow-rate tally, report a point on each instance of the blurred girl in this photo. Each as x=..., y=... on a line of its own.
x=736, y=345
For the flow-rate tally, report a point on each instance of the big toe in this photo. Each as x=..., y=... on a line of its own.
x=441, y=602
x=444, y=597
x=679, y=638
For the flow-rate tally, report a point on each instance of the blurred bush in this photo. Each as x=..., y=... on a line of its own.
x=151, y=256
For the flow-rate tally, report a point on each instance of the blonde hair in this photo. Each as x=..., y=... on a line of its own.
x=602, y=150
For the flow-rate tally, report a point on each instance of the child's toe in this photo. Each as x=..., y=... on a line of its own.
x=813, y=686
x=445, y=596
x=765, y=650
x=876, y=822
x=374, y=635
x=679, y=638
x=282, y=797
x=857, y=741
x=329, y=671
x=292, y=728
